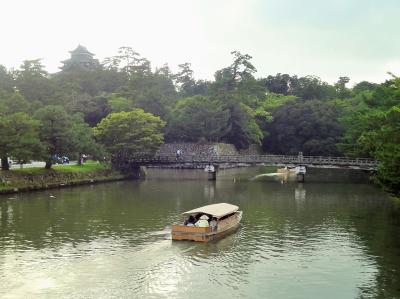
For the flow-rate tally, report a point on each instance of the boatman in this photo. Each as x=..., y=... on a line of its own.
x=203, y=222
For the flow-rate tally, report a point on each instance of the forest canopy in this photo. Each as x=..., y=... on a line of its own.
x=42, y=114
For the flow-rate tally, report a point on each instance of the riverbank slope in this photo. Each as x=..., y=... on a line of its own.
x=29, y=179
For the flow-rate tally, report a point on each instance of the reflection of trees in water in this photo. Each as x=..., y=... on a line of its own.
x=300, y=194
x=359, y=209
x=379, y=230
x=276, y=217
x=209, y=191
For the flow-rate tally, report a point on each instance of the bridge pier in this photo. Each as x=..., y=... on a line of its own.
x=212, y=174
x=300, y=177
x=138, y=172
x=301, y=173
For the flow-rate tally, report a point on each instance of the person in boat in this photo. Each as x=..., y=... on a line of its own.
x=190, y=221
x=213, y=224
x=203, y=222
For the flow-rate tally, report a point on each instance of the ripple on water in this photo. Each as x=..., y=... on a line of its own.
x=117, y=246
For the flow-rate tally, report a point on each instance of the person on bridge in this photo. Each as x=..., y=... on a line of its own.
x=179, y=154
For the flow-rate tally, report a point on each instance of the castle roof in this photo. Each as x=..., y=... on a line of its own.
x=81, y=50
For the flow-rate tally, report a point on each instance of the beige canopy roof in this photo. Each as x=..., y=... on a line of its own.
x=217, y=210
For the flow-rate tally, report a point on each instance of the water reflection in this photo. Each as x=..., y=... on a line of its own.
x=300, y=194
x=209, y=190
x=296, y=241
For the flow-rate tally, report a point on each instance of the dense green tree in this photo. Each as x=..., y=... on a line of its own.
x=127, y=134
x=237, y=90
x=55, y=132
x=186, y=84
x=359, y=115
x=310, y=127
x=311, y=87
x=155, y=94
x=230, y=78
x=372, y=123
x=32, y=82
x=306, y=88
x=164, y=71
x=364, y=86
x=385, y=139
x=118, y=104
x=13, y=102
x=94, y=109
x=198, y=118
x=184, y=79
x=12, y=108
x=83, y=139
x=18, y=138
x=280, y=83
x=341, y=89
x=6, y=80
x=244, y=129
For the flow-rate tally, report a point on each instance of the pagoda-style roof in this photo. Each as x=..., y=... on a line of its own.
x=81, y=50
x=80, y=57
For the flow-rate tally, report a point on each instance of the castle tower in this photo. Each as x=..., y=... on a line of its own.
x=81, y=58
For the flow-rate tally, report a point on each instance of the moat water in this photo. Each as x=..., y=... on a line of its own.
x=334, y=236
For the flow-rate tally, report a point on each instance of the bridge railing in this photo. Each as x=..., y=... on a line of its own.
x=255, y=159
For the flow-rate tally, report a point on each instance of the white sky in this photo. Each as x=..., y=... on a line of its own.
x=331, y=38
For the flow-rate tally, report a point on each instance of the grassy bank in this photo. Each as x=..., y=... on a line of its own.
x=35, y=178
x=89, y=166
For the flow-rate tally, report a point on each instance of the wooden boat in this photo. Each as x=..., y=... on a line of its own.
x=227, y=219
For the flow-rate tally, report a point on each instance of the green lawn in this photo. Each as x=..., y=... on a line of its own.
x=89, y=166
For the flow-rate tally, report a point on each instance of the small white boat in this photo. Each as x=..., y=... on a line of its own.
x=224, y=218
x=294, y=170
x=300, y=169
x=209, y=168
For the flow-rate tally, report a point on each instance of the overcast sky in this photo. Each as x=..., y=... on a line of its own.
x=329, y=38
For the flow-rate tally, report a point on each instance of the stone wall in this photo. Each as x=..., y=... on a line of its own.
x=11, y=182
x=203, y=150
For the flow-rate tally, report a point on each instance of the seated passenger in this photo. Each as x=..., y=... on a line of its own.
x=190, y=221
x=213, y=224
x=203, y=222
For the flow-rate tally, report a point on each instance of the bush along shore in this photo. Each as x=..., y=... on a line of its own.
x=30, y=179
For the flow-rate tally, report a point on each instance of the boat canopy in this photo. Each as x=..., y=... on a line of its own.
x=217, y=210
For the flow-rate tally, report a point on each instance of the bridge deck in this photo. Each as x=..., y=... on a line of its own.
x=362, y=163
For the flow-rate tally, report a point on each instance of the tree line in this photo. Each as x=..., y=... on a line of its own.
x=123, y=106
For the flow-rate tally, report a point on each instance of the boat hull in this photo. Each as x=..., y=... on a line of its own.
x=204, y=234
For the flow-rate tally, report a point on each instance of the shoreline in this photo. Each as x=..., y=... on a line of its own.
x=36, y=179
x=33, y=188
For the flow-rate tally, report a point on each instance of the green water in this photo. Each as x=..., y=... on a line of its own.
x=311, y=240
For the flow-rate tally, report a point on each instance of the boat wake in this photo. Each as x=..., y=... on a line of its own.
x=271, y=174
x=165, y=231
